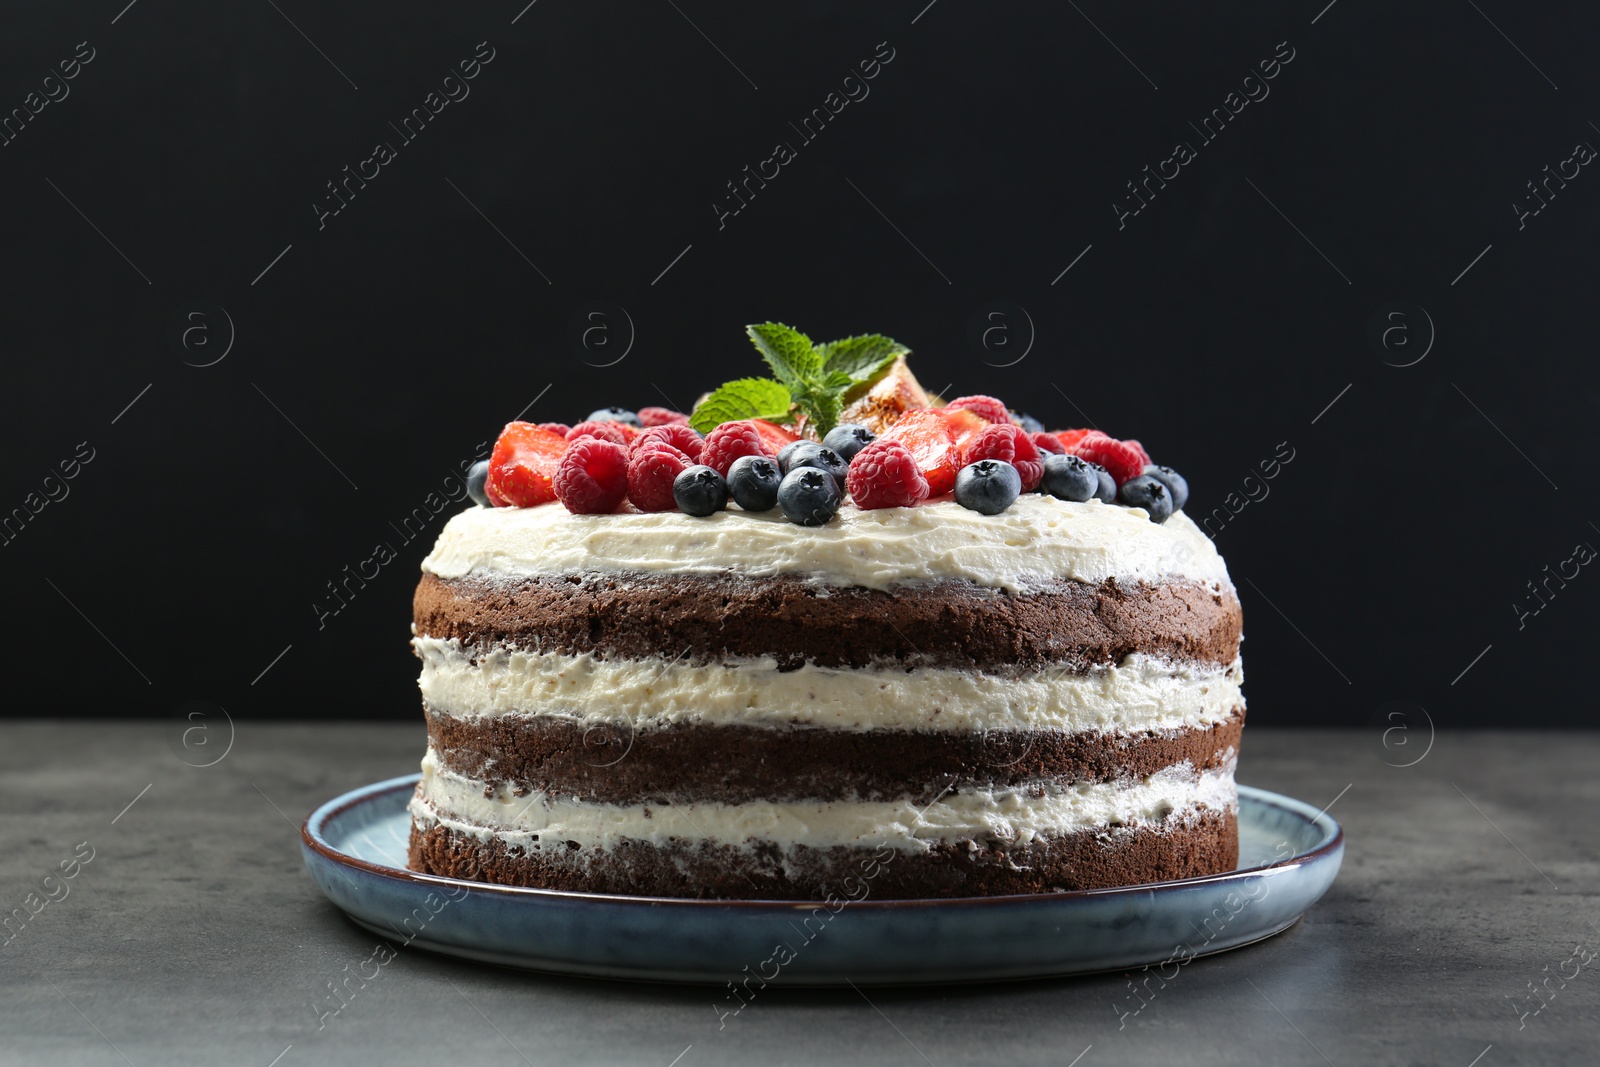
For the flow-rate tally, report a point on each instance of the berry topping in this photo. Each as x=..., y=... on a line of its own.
x=477, y=474
x=730, y=441
x=649, y=417
x=1068, y=438
x=1176, y=484
x=651, y=471
x=1136, y=446
x=1046, y=442
x=522, y=466
x=809, y=496
x=1149, y=493
x=592, y=477
x=604, y=431
x=556, y=427
x=811, y=454
x=1071, y=477
x=753, y=481
x=773, y=435
x=700, y=491
x=1027, y=422
x=786, y=453
x=614, y=415
x=1009, y=444
x=964, y=425
x=885, y=475
x=1123, y=459
x=1107, y=493
x=848, y=438
x=676, y=434
x=927, y=436
x=985, y=407
x=988, y=486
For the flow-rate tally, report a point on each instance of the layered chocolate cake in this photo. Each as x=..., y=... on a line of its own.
x=934, y=697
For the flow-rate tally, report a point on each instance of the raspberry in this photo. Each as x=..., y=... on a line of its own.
x=556, y=427
x=1124, y=461
x=926, y=434
x=985, y=407
x=1139, y=448
x=1010, y=443
x=773, y=435
x=885, y=475
x=730, y=441
x=1047, y=442
x=592, y=478
x=676, y=434
x=651, y=470
x=605, y=431
x=649, y=417
x=521, y=467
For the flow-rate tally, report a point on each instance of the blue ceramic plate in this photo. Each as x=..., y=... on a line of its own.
x=355, y=848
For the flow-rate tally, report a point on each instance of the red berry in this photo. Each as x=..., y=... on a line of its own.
x=1123, y=460
x=605, y=431
x=676, y=434
x=1068, y=438
x=522, y=465
x=1047, y=442
x=964, y=424
x=592, y=478
x=651, y=470
x=1135, y=444
x=773, y=435
x=649, y=417
x=1004, y=441
x=556, y=427
x=885, y=475
x=986, y=407
x=730, y=441
x=926, y=434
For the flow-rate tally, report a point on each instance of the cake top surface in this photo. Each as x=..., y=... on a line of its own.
x=1038, y=540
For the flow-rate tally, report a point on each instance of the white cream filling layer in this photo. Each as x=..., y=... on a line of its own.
x=1141, y=693
x=1037, y=541
x=548, y=822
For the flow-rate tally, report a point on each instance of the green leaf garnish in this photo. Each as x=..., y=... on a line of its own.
x=807, y=379
x=744, y=398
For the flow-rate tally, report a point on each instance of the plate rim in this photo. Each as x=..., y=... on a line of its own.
x=312, y=838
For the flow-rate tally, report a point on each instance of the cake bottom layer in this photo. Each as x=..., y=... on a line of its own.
x=1204, y=841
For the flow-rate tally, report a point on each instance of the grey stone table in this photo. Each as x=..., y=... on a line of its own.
x=190, y=934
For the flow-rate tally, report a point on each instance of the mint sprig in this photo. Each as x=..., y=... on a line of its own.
x=808, y=379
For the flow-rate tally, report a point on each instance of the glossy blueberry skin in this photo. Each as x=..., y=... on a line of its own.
x=1107, y=493
x=700, y=491
x=1149, y=493
x=753, y=481
x=809, y=496
x=848, y=438
x=477, y=475
x=988, y=486
x=786, y=453
x=1176, y=484
x=1070, y=477
x=1028, y=423
x=614, y=415
x=811, y=454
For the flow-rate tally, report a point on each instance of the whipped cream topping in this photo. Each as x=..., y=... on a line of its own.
x=1140, y=693
x=1037, y=541
x=1170, y=797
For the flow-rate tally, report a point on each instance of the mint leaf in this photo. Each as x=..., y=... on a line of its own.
x=787, y=351
x=744, y=398
x=860, y=357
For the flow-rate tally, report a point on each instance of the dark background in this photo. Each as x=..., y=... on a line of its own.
x=379, y=350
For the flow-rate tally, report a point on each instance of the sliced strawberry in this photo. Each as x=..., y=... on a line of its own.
x=964, y=424
x=1068, y=438
x=773, y=435
x=523, y=464
x=1124, y=461
x=927, y=436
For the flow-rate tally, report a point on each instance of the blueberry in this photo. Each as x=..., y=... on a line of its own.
x=809, y=496
x=848, y=438
x=700, y=490
x=614, y=415
x=753, y=481
x=811, y=454
x=1175, y=483
x=477, y=475
x=1070, y=477
x=1107, y=493
x=787, y=452
x=1149, y=493
x=988, y=486
x=1028, y=423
